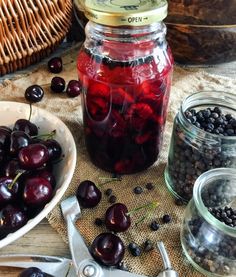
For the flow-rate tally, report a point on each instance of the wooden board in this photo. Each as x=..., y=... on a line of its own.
x=201, y=45
x=209, y=12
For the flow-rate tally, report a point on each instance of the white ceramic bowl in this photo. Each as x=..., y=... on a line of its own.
x=47, y=122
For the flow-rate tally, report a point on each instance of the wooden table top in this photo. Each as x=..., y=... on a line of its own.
x=43, y=240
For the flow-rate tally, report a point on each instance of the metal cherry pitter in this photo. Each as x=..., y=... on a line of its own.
x=82, y=263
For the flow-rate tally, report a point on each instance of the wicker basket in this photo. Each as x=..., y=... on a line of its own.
x=30, y=30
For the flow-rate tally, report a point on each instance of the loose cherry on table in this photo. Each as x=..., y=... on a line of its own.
x=34, y=93
x=107, y=249
x=88, y=194
x=55, y=65
x=73, y=88
x=58, y=84
x=117, y=218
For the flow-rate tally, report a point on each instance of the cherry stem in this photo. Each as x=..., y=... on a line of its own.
x=57, y=161
x=107, y=180
x=10, y=186
x=151, y=205
x=45, y=85
x=143, y=218
x=30, y=111
x=46, y=136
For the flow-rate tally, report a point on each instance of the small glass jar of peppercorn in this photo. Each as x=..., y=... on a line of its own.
x=203, y=138
x=208, y=234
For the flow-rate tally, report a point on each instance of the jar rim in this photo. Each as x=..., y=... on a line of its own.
x=128, y=30
x=204, y=178
x=229, y=99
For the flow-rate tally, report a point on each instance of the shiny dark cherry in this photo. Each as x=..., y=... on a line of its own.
x=54, y=149
x=18, y=140
x=26, y=126
x=11, y=168
x=58, y=84
x=55, y=65
x=11, y=219
x=46, y=174
x=34, y=93
x=33, y=156
x=88, y=194
x=73, y=88
x=107, y=249
x=37, y=191
x=5, y=134
x=117, y=218
x=8, y=191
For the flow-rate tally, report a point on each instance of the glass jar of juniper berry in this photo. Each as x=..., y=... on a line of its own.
x=208, y=233
x=125, y=68
x=203, y=138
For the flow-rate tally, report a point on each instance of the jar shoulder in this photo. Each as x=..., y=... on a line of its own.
x=101, y=62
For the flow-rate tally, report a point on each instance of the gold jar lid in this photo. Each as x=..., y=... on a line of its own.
x=123, y=12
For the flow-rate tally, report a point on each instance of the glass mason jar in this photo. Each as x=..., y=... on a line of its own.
x=192, y=150
x=125, y=67
x=208, y=243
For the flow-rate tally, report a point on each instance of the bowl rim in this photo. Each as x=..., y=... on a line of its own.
x=59, y=192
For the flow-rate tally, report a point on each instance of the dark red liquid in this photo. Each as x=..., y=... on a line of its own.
x=124, y=109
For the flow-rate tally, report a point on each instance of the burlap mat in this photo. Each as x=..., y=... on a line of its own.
x=185, y=82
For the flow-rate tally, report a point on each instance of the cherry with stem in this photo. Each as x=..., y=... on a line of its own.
x=89, y=194
x=107, y=180
x=118, y=218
